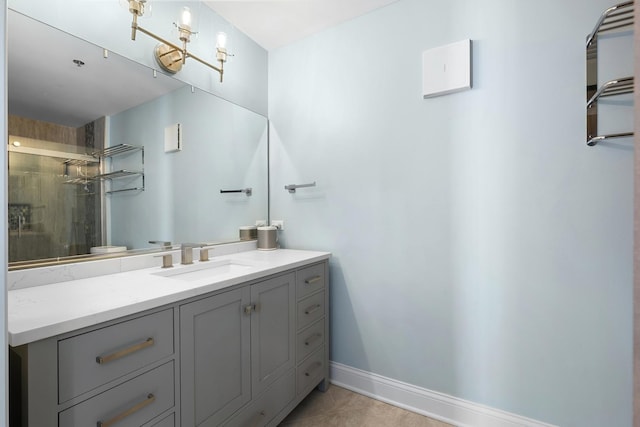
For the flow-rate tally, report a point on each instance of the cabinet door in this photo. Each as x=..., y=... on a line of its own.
x=272, y=330
x=215, y=357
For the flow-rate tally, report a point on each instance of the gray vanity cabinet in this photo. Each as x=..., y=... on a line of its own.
x=233, y=346
x=240, y=357
x=120, y=373
x=272, y=330
x=312, y=345
x=299, y=361
x=215, y=357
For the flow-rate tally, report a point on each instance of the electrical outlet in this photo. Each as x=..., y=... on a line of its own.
x=261, y=222
x=278, y=223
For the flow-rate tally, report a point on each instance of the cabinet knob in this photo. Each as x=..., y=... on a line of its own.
x=249, y=308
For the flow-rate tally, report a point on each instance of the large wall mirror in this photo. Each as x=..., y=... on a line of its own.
x=89, y=164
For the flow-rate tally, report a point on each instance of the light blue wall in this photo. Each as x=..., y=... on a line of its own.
x=107, y=24
x=481, y=249
x=225, y=147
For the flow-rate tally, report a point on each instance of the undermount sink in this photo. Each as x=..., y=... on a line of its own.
x=204, y=270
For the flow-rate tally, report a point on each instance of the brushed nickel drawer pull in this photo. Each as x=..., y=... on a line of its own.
x=312, y=309
x=313, y=280
x=312, y=368
x=101, y=360
x=312, y=338
x=148, y=401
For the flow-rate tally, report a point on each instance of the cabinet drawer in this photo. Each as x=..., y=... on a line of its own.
x=311, y=371
x=89, y=360
x=309, y=340
x=310, y=309
x=310, y=280
x=130, y=404
x=165, y=422
x=268, y=405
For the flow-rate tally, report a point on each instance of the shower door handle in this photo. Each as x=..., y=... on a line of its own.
x=20, y=223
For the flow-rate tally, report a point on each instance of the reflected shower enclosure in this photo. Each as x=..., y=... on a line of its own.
x=55, y=208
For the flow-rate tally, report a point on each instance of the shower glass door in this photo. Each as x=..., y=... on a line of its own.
x=54, y=205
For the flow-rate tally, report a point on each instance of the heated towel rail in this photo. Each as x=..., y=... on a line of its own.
x=618, y=17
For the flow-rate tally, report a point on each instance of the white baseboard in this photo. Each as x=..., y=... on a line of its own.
x=439, y=406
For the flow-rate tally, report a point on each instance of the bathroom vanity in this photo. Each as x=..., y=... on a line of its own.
x=239, y=340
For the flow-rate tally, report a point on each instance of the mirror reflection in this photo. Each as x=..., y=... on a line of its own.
x=70, y=195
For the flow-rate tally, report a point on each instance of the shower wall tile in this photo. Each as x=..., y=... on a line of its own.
x=29, y=128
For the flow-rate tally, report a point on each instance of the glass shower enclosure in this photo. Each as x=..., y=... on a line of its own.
x=55, y=207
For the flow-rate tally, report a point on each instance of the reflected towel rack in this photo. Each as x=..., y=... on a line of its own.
x=121, y=174
x=617, y=17
x=247, y=191
x=292, y=187
x=117, y=150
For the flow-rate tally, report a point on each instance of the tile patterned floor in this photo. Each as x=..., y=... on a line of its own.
x=342, y=408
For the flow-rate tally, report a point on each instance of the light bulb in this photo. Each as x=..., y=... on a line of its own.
x=221, y=40
x=185, y=18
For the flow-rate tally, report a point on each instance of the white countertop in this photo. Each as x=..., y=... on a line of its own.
x=41, y=312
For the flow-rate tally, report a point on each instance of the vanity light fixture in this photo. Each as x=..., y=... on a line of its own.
x=170, y=56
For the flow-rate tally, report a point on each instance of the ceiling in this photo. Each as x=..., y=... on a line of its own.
x=273, y=24
x=38, y=77
x=45, y=84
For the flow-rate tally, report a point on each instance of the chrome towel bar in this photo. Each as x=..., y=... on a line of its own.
x=292, y=187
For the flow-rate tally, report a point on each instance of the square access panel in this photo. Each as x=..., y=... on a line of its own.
x=446, y=69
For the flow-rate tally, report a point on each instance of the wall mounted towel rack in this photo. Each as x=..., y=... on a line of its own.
x=618, y=17
x=292, y=187
x=247, y=191
x=120, y=150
